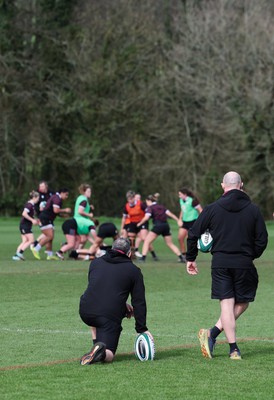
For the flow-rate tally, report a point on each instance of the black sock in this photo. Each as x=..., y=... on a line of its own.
x=21, y=251
x=35, y=243
x=214, y=332
x=143, y=258
x=94, y=341
x=233, y=347
x=153, y=253
x=61, y=252
x=181, y=256
x=136, y=249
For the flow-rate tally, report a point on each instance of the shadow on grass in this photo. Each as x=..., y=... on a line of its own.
x=257, y=350
x=163, y=354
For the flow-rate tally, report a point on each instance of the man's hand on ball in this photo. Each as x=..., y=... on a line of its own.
x=150, y=335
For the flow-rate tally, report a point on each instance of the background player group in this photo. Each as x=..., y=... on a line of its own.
x=85, y=237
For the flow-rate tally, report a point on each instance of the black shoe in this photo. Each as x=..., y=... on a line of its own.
x=60, y=255
x=73, y=254
x=96, y=354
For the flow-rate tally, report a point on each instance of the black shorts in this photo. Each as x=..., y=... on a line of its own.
x=126, y=226
x=238, y=283
x=187, y=224
x=144, y=226
x=107, y=330
x=107, y=230
x=44, y=220
x=69, y=227
x=161, y=228
x=25, y=229
x=133, y=228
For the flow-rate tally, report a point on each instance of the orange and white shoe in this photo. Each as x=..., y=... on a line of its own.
x=207, y=343
x=96, y=354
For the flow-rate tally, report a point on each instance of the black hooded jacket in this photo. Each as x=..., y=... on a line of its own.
x=238, y=230
x=111, y=279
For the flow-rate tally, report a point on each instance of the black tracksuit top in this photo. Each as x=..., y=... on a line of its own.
x=111, y=279
x=238, y=230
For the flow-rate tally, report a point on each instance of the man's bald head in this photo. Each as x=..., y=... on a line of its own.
x=231, y=180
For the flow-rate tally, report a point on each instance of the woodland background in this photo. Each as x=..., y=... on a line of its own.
x=132, y=94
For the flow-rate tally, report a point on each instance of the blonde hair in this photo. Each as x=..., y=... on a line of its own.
x=83, y=187
x=153, y=197
x=130, y=194
x=33, y=194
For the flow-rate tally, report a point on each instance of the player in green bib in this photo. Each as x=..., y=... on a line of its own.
x=82, y=211
x=190, y=210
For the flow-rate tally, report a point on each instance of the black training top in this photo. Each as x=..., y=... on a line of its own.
x=238, y=230
x=111, y=279
x=157, y=212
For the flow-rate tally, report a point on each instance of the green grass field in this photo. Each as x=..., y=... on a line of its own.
x=42, y=336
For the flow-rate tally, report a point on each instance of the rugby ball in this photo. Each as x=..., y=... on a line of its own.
x=144, y=347
x=42, y=205
x=205, y=242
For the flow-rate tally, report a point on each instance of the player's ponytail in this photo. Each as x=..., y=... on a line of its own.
x=33, y=194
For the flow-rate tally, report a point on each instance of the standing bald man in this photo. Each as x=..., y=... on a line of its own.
x=239, y=236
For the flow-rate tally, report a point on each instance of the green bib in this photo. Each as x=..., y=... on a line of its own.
x=189, y=212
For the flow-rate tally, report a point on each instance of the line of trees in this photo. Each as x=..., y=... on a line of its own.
x=150, y=96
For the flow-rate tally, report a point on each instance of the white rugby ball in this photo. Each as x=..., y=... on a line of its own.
x=205, y=242
x=144, y=347
x=42, y=205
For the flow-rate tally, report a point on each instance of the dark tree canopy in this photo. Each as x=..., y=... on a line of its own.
x=149, y=96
